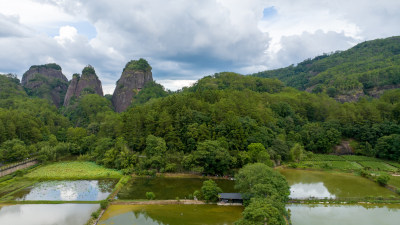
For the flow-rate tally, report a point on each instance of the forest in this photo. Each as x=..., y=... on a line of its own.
x=218, y=125
x=365, y=68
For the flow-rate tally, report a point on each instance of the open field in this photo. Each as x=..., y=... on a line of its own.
x=73, y=170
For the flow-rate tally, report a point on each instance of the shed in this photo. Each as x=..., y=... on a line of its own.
x=230, y=198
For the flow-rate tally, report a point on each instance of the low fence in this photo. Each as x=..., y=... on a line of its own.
x=8, y=169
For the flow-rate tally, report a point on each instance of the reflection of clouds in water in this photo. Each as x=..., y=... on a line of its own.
x=316, y=190
x=67, y=193
x=65, y=214
x=84, y=190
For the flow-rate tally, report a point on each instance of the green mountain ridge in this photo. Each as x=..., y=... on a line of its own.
x=367, y=69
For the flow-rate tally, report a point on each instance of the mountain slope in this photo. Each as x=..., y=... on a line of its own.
x=368, y=68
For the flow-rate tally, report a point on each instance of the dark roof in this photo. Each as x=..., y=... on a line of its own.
x=230, y=195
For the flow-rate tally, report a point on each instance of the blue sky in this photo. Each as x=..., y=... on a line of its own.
x=184, y=40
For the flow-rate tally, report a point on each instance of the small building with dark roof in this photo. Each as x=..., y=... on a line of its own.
x=230, y=198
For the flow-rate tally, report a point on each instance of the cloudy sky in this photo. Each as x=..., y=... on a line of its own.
x=184, y=40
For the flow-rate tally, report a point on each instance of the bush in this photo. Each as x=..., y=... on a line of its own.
x=95, y=215
x=210, y=190
x=104, y=204
x=197, y=194
x=383, y=179
x=150, y=195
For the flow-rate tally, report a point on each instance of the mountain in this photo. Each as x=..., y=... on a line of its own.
x=133, y=78
x=46, y=81
x=367, y=69
x=88, y=83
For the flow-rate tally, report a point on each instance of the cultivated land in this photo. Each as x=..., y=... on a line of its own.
x=346, y=163
x=73, y=170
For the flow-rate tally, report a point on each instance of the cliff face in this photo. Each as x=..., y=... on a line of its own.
x=46, y=81
x=88, y=83
x=135, y=75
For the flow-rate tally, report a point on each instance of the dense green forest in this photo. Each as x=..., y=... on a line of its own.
x=218, y=125
x=364, y=69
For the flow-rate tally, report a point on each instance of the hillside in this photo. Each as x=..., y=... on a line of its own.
x=368, y=68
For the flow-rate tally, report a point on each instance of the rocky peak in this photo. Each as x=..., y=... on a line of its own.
x=133, y=78
x=88, y=83
x=46, y=81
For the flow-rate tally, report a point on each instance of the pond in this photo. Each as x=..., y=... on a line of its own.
x=168, y=187
x=45, y=214
x=78, y=190
x=171, y=215
x=318, y=184
x=345, y=214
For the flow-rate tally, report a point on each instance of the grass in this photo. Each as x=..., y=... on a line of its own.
x=10, y=186
x=336, y=165
x=395, y=164
x=73, y=171
x=360, y=158
x=394, y=181
x=321, y=157
x=379, y=166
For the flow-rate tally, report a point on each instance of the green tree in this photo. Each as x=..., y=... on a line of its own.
x=296, y=152
x=210, y=191
x=260, y=211
x=258, y=153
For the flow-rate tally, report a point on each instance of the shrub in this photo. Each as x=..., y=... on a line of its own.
x=383, y=179
x=104, y=204
x=95, y=215
x=150, y=195
x=210, y=190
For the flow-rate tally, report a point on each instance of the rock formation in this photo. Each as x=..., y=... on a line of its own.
x=134, y=76
x=88, y=83
x=46, y=81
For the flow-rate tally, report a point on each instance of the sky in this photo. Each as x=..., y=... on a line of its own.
x=184, y=40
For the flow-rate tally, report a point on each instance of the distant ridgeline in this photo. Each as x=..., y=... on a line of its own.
x=368, y=68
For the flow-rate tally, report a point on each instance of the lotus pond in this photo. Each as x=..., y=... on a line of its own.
x=168, y=187
x=318, y=184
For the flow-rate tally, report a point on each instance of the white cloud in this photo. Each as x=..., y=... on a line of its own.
x=174, y=85
x=184, y=40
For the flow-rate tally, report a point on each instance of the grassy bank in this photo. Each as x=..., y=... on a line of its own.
x=73, y=171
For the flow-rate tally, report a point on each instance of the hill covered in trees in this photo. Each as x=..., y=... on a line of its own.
x=368, y=68
x=216, y=126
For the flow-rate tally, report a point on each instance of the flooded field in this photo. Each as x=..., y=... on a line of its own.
x=318, y=184
x=345, y=214
x=168, y=188
x=79, y=190
x=171, y=215
x=43, y=214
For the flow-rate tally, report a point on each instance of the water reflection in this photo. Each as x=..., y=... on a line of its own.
x=82, y=190
x=168, y=187
x=314, y=190
x=64, y=214
x=345, y=214
x=320, y=184
x=171, y=215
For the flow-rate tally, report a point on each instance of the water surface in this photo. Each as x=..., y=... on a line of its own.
x=171, y=215
x=320, y=184
x=43, y=214
x=345, y=214
x=78, y=190
x=168, y=187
